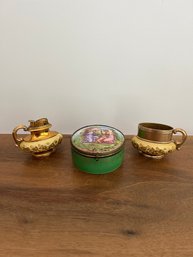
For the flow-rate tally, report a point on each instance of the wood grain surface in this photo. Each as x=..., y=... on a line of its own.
x=50, y=209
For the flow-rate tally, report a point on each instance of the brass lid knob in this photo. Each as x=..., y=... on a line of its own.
x=40, y=124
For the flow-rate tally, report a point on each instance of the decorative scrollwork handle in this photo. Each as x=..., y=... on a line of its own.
x=183, y=139
x=14, y=134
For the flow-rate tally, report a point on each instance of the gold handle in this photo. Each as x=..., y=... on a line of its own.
x=14, y=134
x=184, y=136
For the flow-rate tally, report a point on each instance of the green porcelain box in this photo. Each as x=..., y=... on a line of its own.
x=97, y=149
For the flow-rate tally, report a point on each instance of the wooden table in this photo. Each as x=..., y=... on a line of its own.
x=50, y=209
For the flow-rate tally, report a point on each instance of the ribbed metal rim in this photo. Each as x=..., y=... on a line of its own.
x=148, y=126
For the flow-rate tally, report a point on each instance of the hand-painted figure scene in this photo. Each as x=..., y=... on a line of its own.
x=98, y=139
x=98, y=135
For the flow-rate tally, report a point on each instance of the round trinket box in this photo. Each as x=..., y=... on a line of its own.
x=97, y=149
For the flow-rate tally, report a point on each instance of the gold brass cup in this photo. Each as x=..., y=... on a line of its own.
x=154, y=140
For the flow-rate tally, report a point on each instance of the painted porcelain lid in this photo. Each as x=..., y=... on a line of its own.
x=97, y=140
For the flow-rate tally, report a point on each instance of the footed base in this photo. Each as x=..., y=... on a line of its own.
x=43, y=154
x=158, y=157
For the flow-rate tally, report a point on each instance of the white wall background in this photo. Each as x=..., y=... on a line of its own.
x=79, y=62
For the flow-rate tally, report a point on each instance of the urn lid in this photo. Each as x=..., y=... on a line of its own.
x=41, y=124
x=97, y=140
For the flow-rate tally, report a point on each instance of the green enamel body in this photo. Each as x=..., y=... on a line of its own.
x=99, y=165
x=97, y=149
